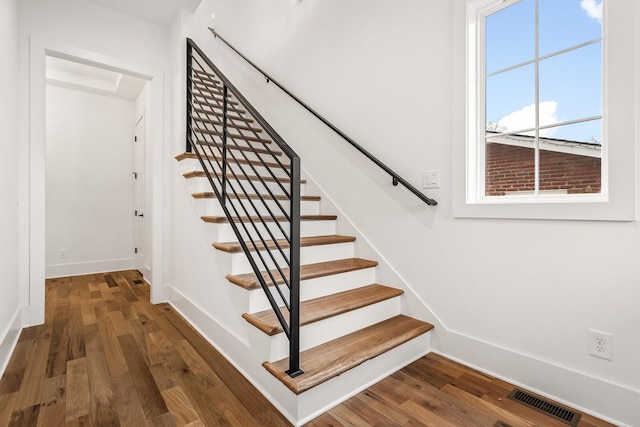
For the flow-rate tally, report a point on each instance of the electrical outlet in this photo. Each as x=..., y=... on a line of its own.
x=600, y=344
x=63, y=253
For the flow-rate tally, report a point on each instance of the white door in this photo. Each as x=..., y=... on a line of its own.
x=138, y=195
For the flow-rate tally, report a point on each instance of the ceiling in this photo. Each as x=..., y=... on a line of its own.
x=159, y=12
x=74, y=75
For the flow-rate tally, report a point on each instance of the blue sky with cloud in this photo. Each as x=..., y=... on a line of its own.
x=570, y=83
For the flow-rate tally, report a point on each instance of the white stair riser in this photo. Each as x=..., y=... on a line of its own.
x=211, y=206
x=202, y=184
x=224, y=231
x=240, y=156
x=315, y=288
x=189, y=165
x=308, y=255
x=320, y=332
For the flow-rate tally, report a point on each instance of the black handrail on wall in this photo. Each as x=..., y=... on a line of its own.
x=396, y=179
x=224, y=132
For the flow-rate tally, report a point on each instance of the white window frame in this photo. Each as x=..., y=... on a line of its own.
x=617, y=199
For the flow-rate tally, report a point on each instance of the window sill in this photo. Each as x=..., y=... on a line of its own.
x=579, y=209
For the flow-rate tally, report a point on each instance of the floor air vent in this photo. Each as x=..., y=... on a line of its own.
x=554, y=411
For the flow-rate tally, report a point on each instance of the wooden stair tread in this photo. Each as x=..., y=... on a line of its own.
x=309, y=271
x=214, y=85
x=324, y=307
x=200, y=85
x=231, y=135
x=229, y=125
x=211, y=195
x=335, y=357
x=211, y=92
x=204, y=74
x=206, y=78
x=205, y=101
x=184, y=156
x=220, y=114
x=234, y=247
x=203, y=87
x=201, y=174
x=223, y=219
x=236, y=147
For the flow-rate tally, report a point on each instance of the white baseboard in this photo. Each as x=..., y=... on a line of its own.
x=608, y=401
x=80, y=268
x=9, y=339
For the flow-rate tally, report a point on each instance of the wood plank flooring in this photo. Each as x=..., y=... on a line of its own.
x=107, y=357
x=434, y=391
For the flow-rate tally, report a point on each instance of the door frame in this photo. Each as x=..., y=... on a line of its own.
x=32, y=171
x=139, y=176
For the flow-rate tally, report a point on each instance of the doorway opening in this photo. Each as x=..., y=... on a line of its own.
x=34, y=212
x=94, y=190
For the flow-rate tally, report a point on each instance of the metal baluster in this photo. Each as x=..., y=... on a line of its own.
x=189, y=100
x=294, y=272
x=224, y=145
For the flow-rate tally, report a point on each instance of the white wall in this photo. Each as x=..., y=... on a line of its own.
x=89, y=186
x=9, y=303
x=87, y=31
x=90, y=26
x=514, y=297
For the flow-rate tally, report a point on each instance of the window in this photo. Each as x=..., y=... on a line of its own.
x=563, y=90
x=536, y=75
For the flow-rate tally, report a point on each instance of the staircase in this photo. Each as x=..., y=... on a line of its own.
x=352, y=329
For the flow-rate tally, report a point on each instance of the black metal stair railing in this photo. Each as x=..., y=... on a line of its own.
x=395, y=178
x=248, y=172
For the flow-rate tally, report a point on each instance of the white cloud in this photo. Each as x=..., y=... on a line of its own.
x=593, y=9
x=526, y=118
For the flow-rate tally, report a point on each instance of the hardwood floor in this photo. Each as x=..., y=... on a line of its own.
x=434, y=391
x=107, y=357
